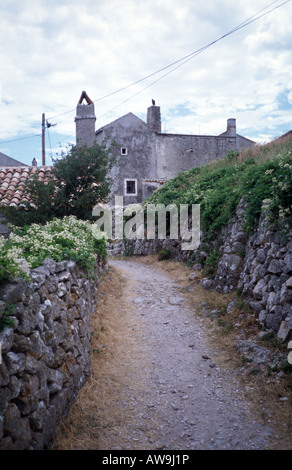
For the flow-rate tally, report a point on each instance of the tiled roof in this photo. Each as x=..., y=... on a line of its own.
x=155, y=181
x=13, y=180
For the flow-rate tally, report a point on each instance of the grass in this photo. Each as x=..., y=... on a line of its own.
x=261, y=175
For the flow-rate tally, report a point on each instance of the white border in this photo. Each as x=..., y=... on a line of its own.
x=125, y=187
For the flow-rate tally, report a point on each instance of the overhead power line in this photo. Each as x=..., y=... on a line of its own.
x=20, y=138
x=174, y=65
x=192, y=55
x=180, y=62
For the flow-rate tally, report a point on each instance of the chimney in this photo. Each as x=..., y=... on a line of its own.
x=231, y=127
x=85, y=121
x=154, y=118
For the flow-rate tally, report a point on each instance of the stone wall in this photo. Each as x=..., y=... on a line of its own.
x=176, y=153
x=262, y=273
x=4, y=229
x=45, y=355
x=259, y=266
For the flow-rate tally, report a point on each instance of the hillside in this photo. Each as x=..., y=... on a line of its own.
x=258, y=174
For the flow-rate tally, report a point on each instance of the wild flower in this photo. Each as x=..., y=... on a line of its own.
x=60, y=239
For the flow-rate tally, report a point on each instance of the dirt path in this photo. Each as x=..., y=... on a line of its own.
x=158, y=381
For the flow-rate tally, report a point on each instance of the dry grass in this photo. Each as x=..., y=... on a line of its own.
x=118, y=360
x=117, y=365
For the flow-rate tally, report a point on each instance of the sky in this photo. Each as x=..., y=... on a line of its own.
x=206, y=62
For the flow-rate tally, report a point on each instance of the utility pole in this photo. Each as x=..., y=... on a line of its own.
x=43, y=140
x=44, y=126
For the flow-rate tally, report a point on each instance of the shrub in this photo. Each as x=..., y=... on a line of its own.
x=80, y=179
x=6, y=320
x=218, y=188
x=164, y=254
x=60, y=239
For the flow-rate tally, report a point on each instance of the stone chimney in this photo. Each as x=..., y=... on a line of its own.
x=85, y=121
x=154, y=117
x=231, y=127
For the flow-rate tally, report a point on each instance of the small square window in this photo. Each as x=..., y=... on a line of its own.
x=131, y=187
x=124, y=151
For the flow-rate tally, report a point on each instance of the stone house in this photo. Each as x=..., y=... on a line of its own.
x=148, y=157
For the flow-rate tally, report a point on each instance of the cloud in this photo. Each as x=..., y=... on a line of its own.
x=51, y=51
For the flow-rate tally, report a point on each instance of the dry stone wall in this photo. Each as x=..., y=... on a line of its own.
x=259, y=266
x=45, y=355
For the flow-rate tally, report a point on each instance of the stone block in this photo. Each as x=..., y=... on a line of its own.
x=285, y=330
x=288, y=263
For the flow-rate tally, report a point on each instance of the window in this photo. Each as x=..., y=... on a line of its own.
x=131, y=187
x=124, y=151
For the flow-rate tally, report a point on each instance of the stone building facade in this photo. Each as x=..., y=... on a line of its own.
x=148, y=157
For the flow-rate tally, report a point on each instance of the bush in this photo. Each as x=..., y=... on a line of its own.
x=218, y=188
x=80, y=179
x=60, y=239
x=164, y=254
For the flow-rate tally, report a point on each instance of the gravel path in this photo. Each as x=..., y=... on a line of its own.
x=176, y=394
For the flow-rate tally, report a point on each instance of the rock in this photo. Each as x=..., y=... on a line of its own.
x=17, y=428
x=3, y=307
x=63, y=276
x=61, y=266
x=285, y=330
x=13, y=292
x=231, y=306
x=15, y=362
x=285, y=295
x=288, y=263
x=207, y=283
x=260, y=289
x=241, y=237
x=175, y=300
x=261, y=255
x=38, y=279
x=274, y=318
x=258, y=273
x=252, y=351
x=262, y=317
x=197, y=267
x=275, y=266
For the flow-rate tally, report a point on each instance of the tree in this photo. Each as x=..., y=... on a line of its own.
x=80, y=179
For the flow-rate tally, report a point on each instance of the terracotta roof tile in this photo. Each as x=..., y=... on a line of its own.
x=12, y=183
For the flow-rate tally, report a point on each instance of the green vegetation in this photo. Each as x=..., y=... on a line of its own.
x=80, y=179
x=260, y=176
x=6, y=320
x=59, y=239
x=163, y=254
x=55, y=223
